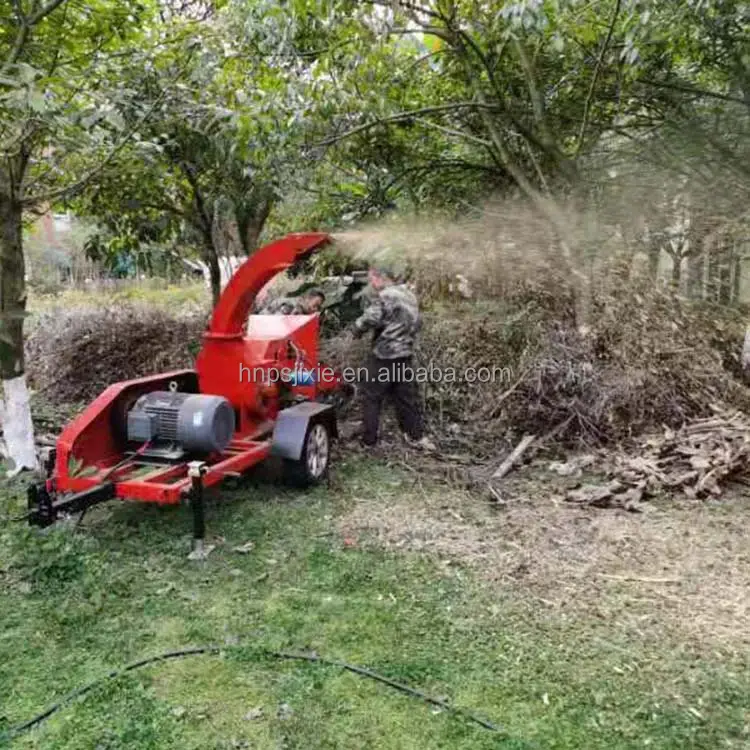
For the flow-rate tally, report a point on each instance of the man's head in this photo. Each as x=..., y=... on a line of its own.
x=313, y=301
x=380, y=277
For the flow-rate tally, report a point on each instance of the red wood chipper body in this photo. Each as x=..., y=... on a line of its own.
x=253, y=393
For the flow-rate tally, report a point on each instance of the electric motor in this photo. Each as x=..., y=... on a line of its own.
x=198, y=422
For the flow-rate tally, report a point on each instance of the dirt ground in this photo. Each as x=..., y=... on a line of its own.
x=679, y=568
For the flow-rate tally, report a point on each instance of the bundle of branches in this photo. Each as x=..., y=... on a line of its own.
x=699, y=459
x=724, y=329
x=73, y=355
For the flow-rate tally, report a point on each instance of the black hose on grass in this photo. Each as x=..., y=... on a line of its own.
x=213, y=650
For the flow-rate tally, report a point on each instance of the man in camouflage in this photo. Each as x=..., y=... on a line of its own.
x=306, y=304
x=394, y=319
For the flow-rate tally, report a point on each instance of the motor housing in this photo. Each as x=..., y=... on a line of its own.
x=199, y=423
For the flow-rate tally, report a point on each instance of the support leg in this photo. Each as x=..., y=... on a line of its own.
x=39, y=504
x=199, y=520
x=196, y=470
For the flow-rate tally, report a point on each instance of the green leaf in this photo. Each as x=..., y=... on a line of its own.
x=115, y=119
x=37, y=100
x=26, y=73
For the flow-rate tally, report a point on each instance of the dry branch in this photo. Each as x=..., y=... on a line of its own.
x=698, y=459
x=517, y=452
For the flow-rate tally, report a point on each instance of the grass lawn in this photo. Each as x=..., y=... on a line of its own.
x=74, y=604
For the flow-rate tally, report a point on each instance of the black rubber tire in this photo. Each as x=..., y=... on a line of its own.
x=306, y=472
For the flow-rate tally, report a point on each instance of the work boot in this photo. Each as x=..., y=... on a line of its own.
x=424, y=443
x=373, y=450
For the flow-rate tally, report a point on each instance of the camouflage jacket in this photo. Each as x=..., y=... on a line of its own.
x=393, y=316
x=282, y=306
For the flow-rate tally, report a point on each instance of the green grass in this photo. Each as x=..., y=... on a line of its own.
x=73, y=605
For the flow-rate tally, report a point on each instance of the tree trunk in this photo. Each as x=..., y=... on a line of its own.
x=712, y=285
x=725, y=281
x=654, y=254
x=250, y=225
x=676, y=270
x=696, y=263
x=211, y=258
x=736, y=279
x=15, y=409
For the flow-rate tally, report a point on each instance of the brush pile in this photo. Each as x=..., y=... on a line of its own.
x=697, y=459
x=72, y=356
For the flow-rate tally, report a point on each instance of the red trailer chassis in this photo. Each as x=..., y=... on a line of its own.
x=253, y=369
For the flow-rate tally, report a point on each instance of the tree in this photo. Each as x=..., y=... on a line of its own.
x=57, y=128
x=219, y=149
x=535, y=92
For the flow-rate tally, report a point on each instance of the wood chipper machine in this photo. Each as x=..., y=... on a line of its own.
x=257, y=390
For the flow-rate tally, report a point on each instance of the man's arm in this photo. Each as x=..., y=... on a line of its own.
x=372, y=317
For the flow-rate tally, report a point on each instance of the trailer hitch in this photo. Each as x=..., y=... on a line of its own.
x=44, y=510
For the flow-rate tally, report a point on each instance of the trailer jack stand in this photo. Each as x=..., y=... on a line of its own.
x=196, y=471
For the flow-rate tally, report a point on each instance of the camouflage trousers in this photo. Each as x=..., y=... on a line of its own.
x=393, y=378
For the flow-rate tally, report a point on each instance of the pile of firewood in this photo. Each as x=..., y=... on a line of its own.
x=697, y=459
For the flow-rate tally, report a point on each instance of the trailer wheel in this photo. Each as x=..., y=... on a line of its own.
x=312, y=466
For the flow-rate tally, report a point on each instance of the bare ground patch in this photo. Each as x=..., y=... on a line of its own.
x=681, y=566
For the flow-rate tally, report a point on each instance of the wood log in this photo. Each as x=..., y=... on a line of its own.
x=516, y=453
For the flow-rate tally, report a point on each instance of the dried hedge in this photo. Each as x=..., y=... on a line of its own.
x=649, y=360
x=73, y=355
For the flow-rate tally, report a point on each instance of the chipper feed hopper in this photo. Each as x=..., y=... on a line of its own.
x=256, y=390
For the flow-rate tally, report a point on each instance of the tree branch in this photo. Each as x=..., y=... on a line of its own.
x=431, y=30
x=439, y=164
x=405, y=6
x=422, y=59
x=27, y=24
x=686, y=89
x=206, y=222
x=594, y=79
x=165, y=207
x=457, y=133
x=43, y=12
x=461, y=40
x=411, y=114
